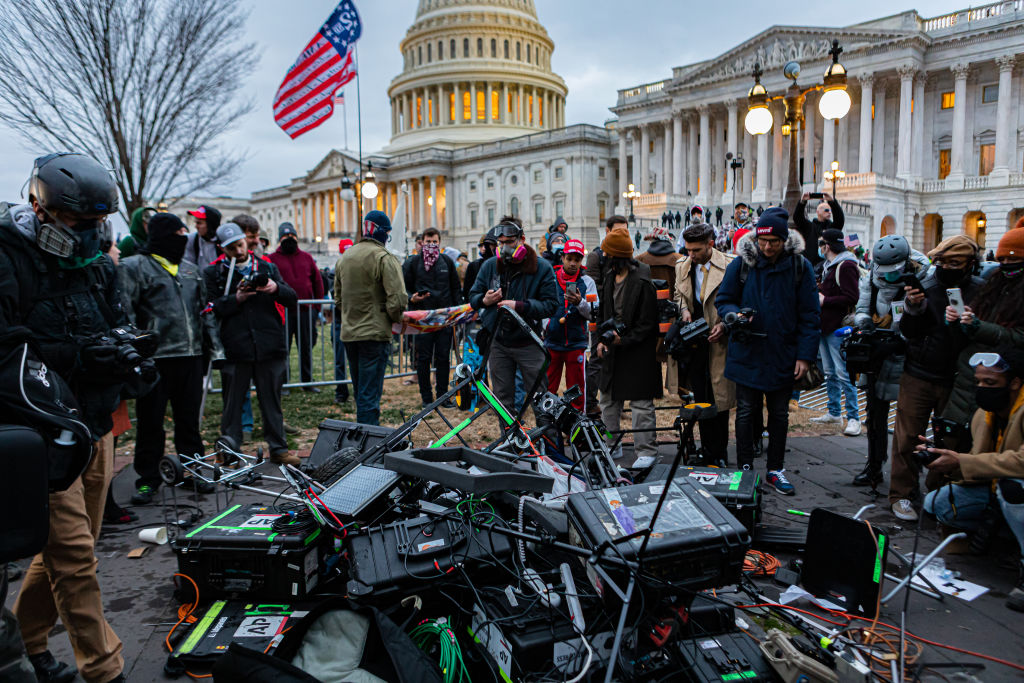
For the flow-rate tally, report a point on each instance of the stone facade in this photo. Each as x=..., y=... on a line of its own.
x=931, y=145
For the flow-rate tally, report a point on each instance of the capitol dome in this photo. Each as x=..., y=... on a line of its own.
x=474, y=71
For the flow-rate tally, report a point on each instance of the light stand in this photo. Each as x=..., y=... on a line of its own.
x=735, y=164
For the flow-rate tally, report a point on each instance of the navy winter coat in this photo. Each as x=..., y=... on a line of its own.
x=532, y=282
x=787, y=312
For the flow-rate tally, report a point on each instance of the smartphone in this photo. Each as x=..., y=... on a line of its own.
x=910, y=280
x=424, y=292
x=956, y=299
x=817, y=195
x=572, y=288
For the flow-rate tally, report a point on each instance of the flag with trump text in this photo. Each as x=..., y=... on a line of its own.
x=305, y=98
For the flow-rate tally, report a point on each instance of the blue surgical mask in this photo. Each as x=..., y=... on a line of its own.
x=821, y=252
x=557, y=248
x=892, y=276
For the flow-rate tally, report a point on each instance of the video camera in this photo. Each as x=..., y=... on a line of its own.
x=255, y=279
x=558, y=409
x=683, y=339
x=607, y=330
x=737, y=324
x=132, y=347
x=866, y=350
x=668, y=310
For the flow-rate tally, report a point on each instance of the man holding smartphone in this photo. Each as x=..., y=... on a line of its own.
x=566, y=332
x=828, y=215
x=931, y=361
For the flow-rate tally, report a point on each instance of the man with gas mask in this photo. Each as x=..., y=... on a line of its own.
x=164, y=294
x=300, y=271
x=931, y=362
x=61, y=290
x=369, y=285
x=520, y=280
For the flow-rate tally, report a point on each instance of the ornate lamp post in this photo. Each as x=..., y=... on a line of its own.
x=834, y=174
x=834, y=104
x=631, y=194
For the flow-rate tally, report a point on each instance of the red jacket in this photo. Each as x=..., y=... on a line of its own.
x=300, y=272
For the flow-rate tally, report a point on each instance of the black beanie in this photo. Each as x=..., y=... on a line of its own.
x=773, y=222
x=834, y=239
x=164, y=239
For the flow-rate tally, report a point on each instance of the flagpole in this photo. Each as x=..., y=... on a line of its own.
x=344, y=113
x=359, y=127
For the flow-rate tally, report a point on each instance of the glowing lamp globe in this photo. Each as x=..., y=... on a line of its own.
x=758, y=121
x=834, y=104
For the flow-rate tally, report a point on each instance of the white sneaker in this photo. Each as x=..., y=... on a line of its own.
x=826, y=419
x=852, y=428
x=904, y=509
x=643, y=462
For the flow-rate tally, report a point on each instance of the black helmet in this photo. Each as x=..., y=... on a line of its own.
x=491, y=236
x=73, y=183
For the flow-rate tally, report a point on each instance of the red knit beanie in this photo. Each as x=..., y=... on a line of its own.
x=1011, y=244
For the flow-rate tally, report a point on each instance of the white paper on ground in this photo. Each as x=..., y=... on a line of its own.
x=958, y=588
x=794, y=593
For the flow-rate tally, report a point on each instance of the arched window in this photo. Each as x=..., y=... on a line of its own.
x=519, y=52
x=513, y=207
x=506, y=49
x=494, y=47
x=479, y=47
x=527, y=53
x=440, y=49
x=451, y=48
x=465, y=47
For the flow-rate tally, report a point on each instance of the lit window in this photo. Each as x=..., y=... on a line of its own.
x=943, y=163
x=465, y=106
x=495, y=104
x=948, y=100
x=989, y=94
x=986, y=159
x=602, y=207
x=481, y=98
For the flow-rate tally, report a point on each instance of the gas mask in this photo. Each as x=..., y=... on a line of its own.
x=57, y=238
x=511, y=253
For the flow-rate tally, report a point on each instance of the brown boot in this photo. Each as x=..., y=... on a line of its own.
x=284, y=457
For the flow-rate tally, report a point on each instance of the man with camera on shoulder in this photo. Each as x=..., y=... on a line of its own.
x=769, y=299
x=59, y=293
x=627, y=332
x=698, y=278
x=245, y=290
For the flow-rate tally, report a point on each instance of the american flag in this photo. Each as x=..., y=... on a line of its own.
x=305, y=97
x=852, y=240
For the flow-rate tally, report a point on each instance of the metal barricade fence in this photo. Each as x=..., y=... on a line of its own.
x=320, y=323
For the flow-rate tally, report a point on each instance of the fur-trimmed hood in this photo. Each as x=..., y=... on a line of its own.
x=527, y=267
x=747, y=249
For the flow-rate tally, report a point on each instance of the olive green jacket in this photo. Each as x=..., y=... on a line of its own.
x=369, y=292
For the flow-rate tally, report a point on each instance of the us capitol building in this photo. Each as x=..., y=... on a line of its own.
x=931, y=145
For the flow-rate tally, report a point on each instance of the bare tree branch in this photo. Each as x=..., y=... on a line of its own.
x=149, y=87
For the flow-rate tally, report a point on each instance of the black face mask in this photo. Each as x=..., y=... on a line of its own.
x=170, y=246
x=1011, y=270
x=289, y=246
x=950, y=276
x=486, y=251
x=992, y=399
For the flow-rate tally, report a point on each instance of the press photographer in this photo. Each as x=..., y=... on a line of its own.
x=771, y=276
x=628, y=339
x=931, y=361
x=519, y=280
x=698, y=278
x=59, y=291
x=566, y=333
x=996, y=460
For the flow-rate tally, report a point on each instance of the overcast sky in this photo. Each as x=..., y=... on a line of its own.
x=600, y=47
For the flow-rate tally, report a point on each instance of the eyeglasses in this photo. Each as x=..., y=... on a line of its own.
x=774, y=241
x=989, y=360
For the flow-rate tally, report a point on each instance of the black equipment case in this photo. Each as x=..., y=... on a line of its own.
x=725, y=658
x=335, y=435
x=238, y=551
x=737, y=490
x=695, y=543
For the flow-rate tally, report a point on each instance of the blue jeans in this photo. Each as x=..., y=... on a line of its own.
x=971, y=502
x=837, y=379
x=247, y=414
x=340, y=390
x=367, y=361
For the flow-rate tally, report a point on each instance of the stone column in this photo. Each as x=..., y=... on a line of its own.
x=536, y=108
x=779, y=147
x=623, y=178
x=520, y=109
x=704, y=152
x=422, y=204
x=409, y=107
x=957, y=163
x=634, y=145
x=666, y=160
x=810, y=116
x=878, y=151
x=731, y=144
x=472, y=103
x=843, y=143
x=917, y=126
x=503, y=108
x=442, y=107
x=433, y=205
x=867, y=82
x=678, y=161
x=903, y=130
x=307, y=215
x=748, y=161
x=457, y=114
x=760, y=191
x=692, y=151
x=1005, y=129
x=645, y=159
x=488, y=109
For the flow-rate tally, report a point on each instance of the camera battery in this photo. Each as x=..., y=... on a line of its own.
x=695, y=541
x=726, y=658
x=239, y=552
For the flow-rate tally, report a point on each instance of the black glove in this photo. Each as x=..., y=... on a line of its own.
x=148, y=371
x=99, y=358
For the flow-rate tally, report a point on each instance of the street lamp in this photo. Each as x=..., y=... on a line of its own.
x=347, y=193
x=369, y=189
x=834, y=104
x=631, y=194
x=834, y=174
